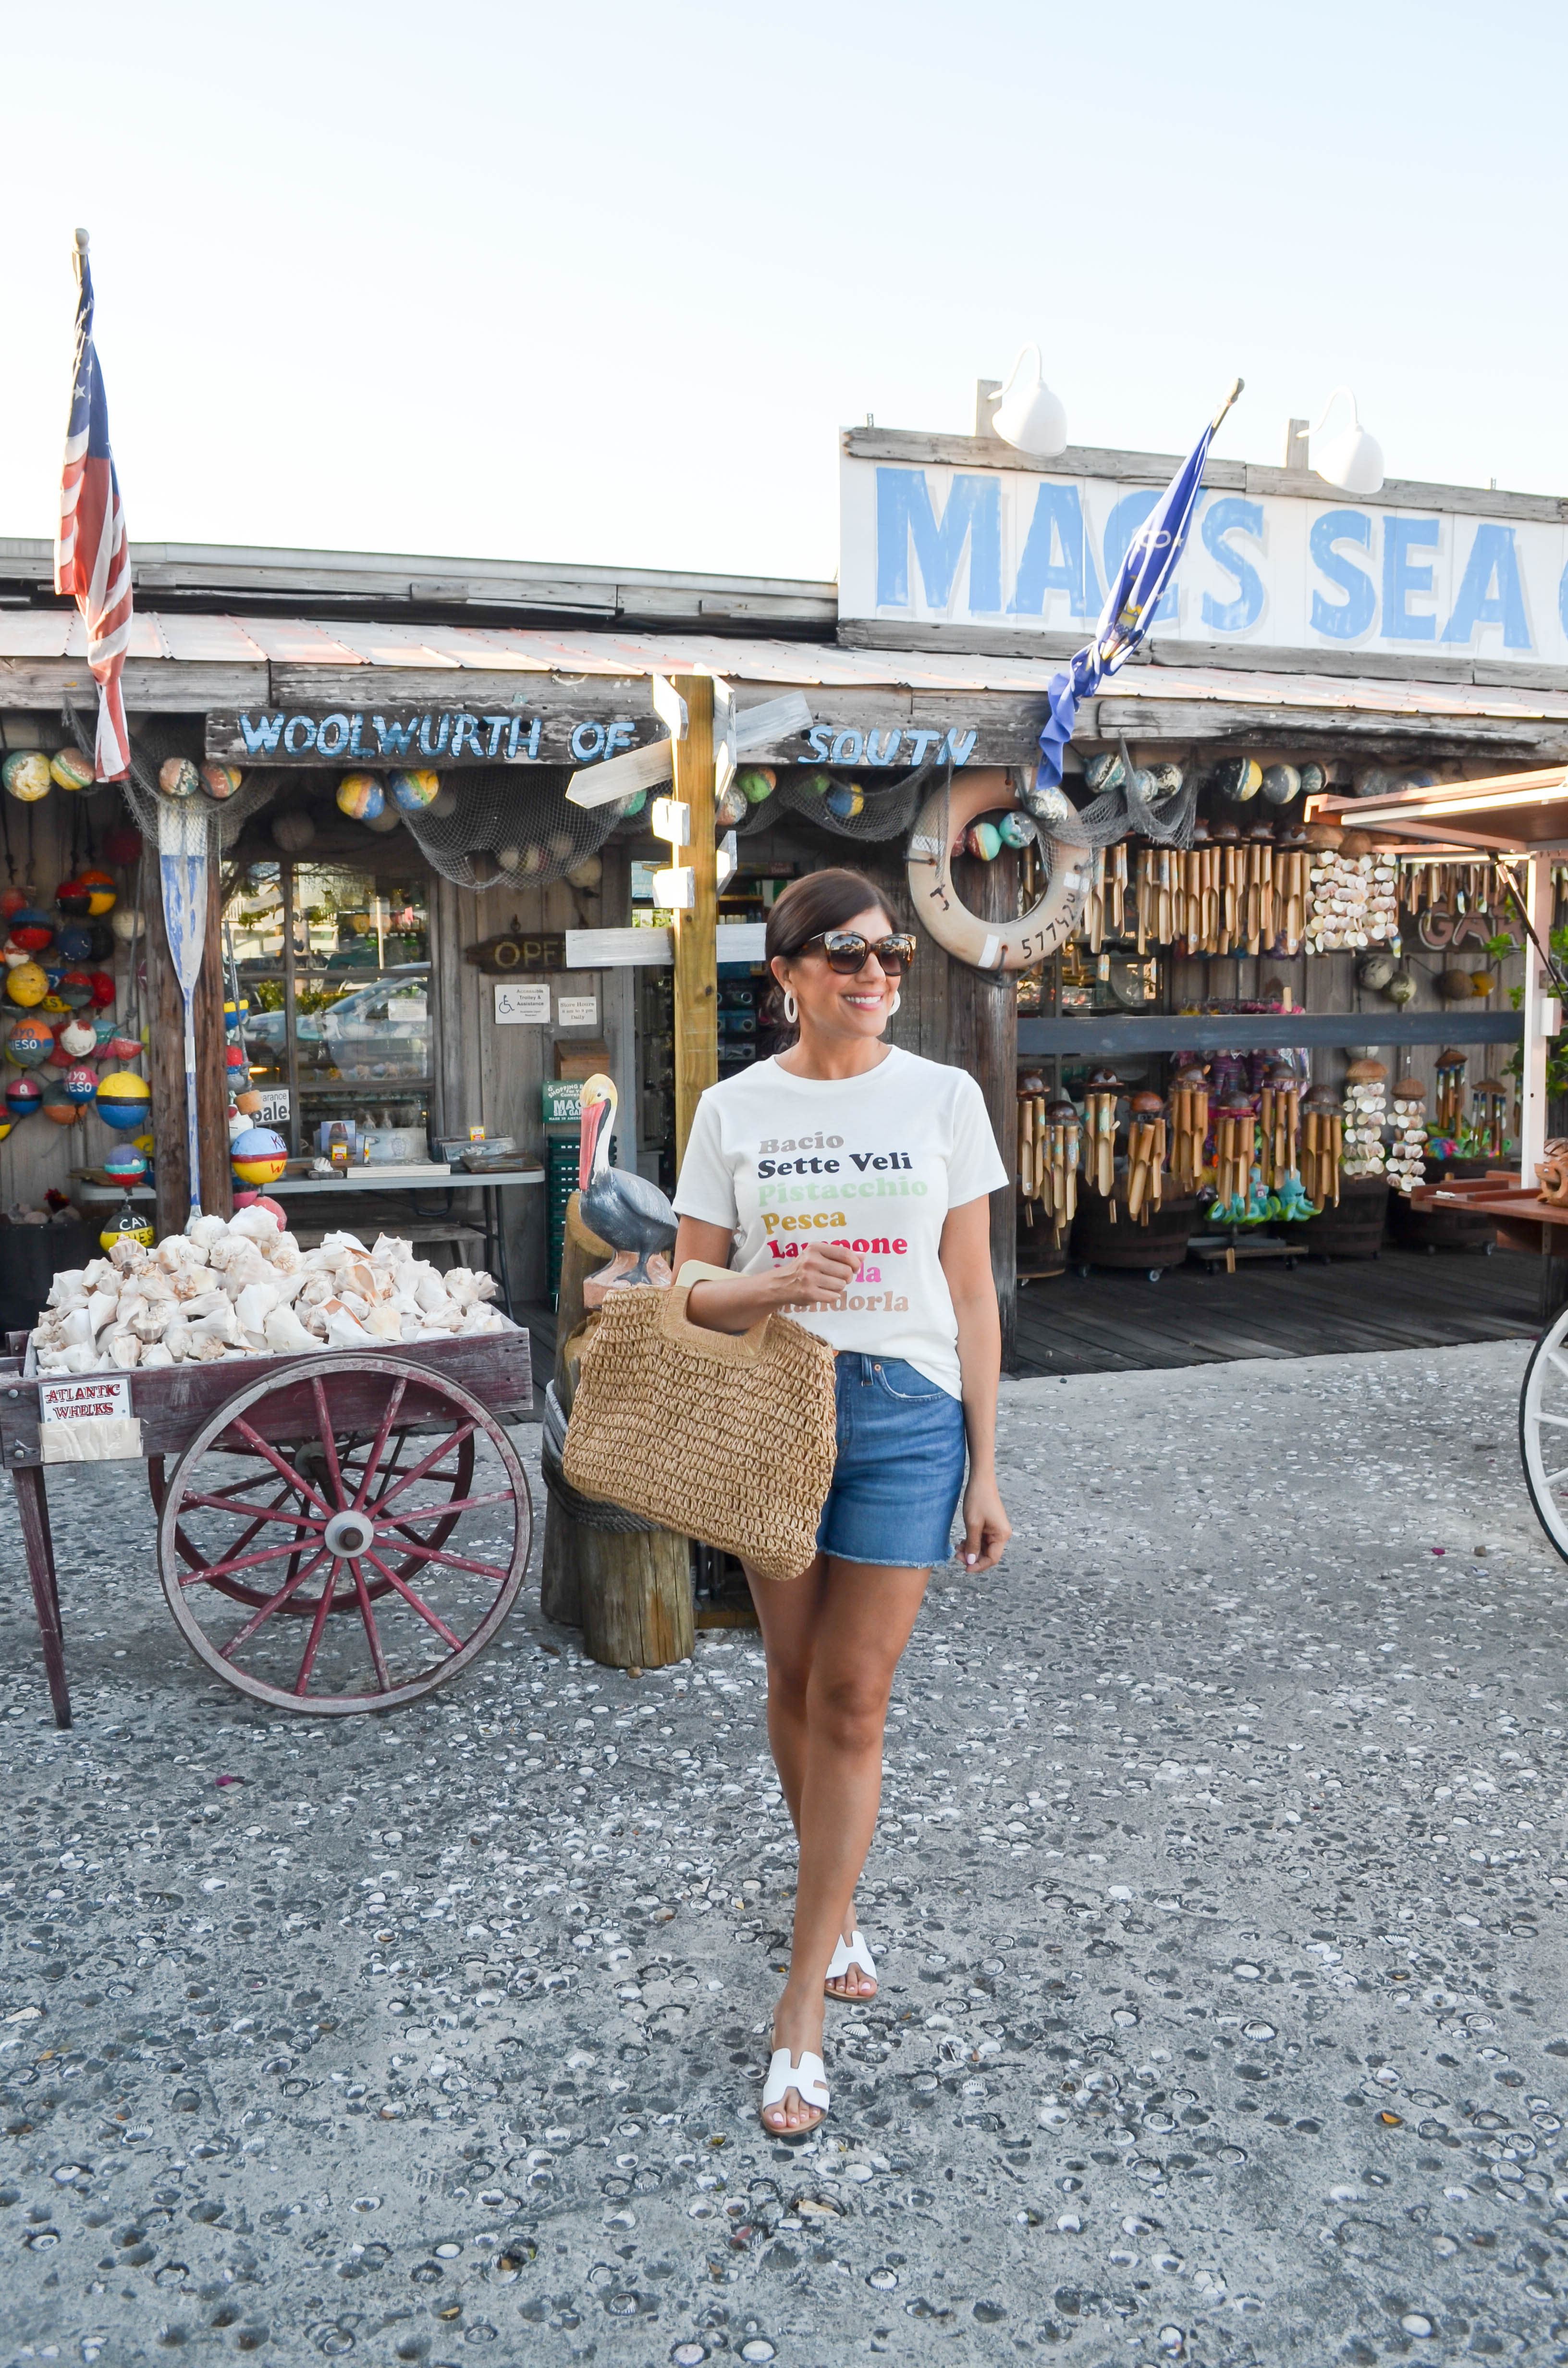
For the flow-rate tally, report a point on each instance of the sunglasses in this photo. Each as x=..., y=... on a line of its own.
x=846, y=951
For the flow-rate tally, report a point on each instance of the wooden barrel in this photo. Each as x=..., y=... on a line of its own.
x=1354, y=1230
x=1146, y=1248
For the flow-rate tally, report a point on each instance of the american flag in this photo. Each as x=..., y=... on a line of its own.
x=92, y=557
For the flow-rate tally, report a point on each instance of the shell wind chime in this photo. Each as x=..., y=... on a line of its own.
x=1279, y=1124
x=1190, y=1129
x=1101, y=1094
x=1366, y=1114
x=1145, y=1155
x=1355, y=892
x=1233, y=1152
x=1407, y=1160
x=1451, y=1066
x=1490, y=1101
x=1322, y=1139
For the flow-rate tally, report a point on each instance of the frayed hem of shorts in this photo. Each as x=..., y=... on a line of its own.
x=866, y=1562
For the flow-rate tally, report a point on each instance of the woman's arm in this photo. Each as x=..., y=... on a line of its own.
x=736, y=1304
x=965, y=1255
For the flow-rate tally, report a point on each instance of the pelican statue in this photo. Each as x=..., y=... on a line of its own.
x=621, y=1206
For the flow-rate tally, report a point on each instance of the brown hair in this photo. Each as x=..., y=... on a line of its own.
x=823, y=900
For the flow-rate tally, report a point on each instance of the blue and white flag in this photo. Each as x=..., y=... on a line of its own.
x=1129, y=611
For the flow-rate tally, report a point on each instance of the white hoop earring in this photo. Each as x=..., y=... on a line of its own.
x=791, y=1010
x=897, y=999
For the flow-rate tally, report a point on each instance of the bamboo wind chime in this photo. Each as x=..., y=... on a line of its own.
x=1057, y=1173
x=1159, y=881
x=1104, y=914
x=1145, y=1155
x=1190, y=1129
x=1324, y=1133
x=1451, y=1066
x=1278, y=1118
x=1232, y=1151
x=1491, y=1104
x=1101, y=1096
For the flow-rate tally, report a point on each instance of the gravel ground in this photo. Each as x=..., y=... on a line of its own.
x=1218, y=1899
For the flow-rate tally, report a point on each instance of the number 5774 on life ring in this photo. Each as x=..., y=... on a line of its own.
x=988, y=945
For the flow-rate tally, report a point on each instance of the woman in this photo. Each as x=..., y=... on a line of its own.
x=845, y=1183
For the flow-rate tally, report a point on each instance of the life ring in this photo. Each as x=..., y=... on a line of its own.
x=988, y=945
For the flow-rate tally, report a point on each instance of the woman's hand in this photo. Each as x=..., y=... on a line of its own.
x=986, y=1528
x=822, y=1271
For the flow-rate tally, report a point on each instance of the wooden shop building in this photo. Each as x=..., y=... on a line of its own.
x=414, y=976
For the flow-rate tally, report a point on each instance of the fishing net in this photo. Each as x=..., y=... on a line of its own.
x=510, y=825
x=152, y=742
x=847, y=805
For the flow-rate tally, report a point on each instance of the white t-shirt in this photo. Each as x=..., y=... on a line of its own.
x=873, y=1163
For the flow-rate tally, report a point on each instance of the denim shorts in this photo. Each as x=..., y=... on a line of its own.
x=900, y=1468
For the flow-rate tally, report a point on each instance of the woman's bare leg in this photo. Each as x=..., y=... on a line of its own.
x=864, y=1622
x=789, y=1617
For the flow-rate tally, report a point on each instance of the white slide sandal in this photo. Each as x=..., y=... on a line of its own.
x=848, y=1953
x=809, y=2080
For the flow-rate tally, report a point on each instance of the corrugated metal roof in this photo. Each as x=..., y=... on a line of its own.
x=300, y=644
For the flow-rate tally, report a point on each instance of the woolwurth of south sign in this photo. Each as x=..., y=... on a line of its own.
x=882, y=726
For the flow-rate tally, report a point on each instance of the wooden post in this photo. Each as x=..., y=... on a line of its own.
x=629, y=1591
x=1537, y=991
x=695, y=943
x=166, y=1067
x=986, y=1041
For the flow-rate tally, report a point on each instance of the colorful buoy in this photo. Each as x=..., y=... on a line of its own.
x=75, y=989
x=26, y=774
x=122, y=845
x=125, y=1225
x=101, y=893
x=177, y=778
x=78, y=1040
x=57, y=1104
x=103, y=989
x=30, y=1041
x=127, y=924
x=27, y=983
x=236, y=1011
x=80, y=1086
x=23, y=1096
x=123, y=1100
x=71, y=770
x=31, y=929
x=415, y=791
x=360, y=797
x=258, y=1155
x=72, y=899
x=127, y=1165
x=220, y=781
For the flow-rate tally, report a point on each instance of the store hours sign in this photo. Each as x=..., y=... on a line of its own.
x=923, y=543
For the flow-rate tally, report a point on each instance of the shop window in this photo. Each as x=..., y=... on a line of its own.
x=335, y=965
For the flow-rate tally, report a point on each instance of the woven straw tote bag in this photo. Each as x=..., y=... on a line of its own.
x=726, y=1437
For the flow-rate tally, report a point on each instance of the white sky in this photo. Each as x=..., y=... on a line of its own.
x=599, y=283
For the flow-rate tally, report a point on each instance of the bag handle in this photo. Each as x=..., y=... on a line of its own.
x=734, y=1347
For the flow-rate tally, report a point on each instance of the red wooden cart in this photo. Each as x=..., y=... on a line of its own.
x=338, y=1533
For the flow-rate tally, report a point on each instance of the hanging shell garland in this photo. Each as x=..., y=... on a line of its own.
x=1366, y=1114
x=1407, y=1159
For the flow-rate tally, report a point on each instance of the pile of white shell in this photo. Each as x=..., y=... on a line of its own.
x=243, y=1288
x=1353, y=902
x=1366, y=1114
x=1407, y=1158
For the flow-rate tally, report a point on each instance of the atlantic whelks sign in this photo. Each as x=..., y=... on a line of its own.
x=926, y=544
x=877, y=731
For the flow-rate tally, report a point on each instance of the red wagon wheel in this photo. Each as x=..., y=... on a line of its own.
x=309, y=1462
x=367, y=1492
